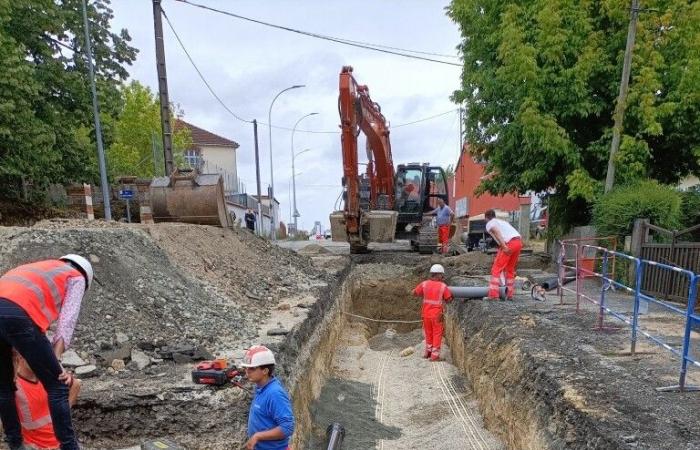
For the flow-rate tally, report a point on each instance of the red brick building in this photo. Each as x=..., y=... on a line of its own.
x=467, y=177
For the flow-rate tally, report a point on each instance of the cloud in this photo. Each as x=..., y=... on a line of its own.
x=247, y=64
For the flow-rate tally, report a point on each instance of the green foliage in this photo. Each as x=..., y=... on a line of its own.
x=540, y=82
x=46, y=123
x=690, y=213
x=615, y=212
x=136, y=128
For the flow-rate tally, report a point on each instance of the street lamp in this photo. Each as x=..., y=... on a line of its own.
x=272, y=179
x=294, y=187
x=294, y=175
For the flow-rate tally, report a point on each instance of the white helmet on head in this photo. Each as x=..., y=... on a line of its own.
x=83, y=264
x=258, y=355
x=437, y=268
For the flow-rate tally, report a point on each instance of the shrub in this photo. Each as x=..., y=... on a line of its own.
x=690, y=213
x=614, y=213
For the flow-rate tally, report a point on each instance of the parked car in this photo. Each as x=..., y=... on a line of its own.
x=327, y=234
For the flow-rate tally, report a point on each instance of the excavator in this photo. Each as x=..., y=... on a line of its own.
x=384, y=203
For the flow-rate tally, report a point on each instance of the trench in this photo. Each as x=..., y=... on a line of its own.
x=341, y=367
x=369, y=375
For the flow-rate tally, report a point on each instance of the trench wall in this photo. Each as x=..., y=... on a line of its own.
x=521, y=397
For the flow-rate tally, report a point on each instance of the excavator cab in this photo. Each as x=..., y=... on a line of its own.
x=418, y=188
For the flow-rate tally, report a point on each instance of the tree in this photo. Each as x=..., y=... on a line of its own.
x=46, y=124
x=135, y=129
x=540, y=81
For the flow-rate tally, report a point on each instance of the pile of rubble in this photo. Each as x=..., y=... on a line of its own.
x=163, y=292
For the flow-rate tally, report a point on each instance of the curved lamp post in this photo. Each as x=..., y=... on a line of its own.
x=294, y=187
x=273, y=235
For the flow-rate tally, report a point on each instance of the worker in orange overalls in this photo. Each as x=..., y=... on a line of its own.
x=435, y=293
x=509, y=246
x=32, y=297
x=33, y=407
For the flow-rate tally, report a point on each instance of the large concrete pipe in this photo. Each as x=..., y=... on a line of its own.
x=475, y=291
x=335, y=435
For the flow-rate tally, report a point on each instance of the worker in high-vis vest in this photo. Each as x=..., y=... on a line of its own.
x=33, y=407
x=435, y=294
x=509, y=247
x=32, y=297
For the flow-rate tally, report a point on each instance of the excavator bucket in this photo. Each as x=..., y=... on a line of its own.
x=380, y=224
x=190, y=197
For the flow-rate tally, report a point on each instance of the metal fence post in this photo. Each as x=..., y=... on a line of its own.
x=635, y=315
x=577, y=249
x=562, y=259
x=604, y=275
x=692, y=297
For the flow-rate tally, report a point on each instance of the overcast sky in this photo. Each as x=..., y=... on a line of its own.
x=248, y=64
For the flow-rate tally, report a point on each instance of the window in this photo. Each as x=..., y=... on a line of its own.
x=193, y=158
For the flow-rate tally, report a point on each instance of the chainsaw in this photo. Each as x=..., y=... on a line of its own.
x=217, y=373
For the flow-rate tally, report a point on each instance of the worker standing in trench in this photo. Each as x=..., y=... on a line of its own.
x=32, y=297
x=509, y=246
x=435, y=293
x=271, y=420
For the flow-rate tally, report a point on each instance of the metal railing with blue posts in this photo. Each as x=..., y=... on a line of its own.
x=608, y=280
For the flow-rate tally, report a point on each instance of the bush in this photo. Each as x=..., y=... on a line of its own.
x=690, y=213
x=614, y=213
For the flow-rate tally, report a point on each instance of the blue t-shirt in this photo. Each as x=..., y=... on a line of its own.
x=443, y=215
x=271, y=408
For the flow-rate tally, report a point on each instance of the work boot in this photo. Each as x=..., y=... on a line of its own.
x=426, y=353
x=435, y=357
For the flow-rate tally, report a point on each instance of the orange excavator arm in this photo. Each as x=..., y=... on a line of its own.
x=359, y=113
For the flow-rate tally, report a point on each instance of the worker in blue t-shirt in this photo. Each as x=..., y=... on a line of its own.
x=271, y=420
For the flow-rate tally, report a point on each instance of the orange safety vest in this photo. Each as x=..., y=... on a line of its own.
x=34, y=416
x=39, y=289
x=434, y=293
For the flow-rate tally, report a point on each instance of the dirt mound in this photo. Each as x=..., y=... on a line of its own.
x=314, y=249
x=166, y=285
x=137, y=292
x=472, y=263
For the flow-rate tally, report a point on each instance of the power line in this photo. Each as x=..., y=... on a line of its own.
x=236, y=116
x=201, y=76
x=425, y=118
x=365, y=45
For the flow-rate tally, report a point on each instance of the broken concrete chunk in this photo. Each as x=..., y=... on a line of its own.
x=140, y=359
x=118, y=365
x=121, y=338
x=71, y=359
x=86, y=371
x=107, y=356
x=407, y=351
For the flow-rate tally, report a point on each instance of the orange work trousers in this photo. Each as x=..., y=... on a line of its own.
x=505, y=264
x=433, y=329
x=444, y=238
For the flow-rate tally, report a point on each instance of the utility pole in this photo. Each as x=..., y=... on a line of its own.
x=163, y=89
x=257, y=177
x=621, y=104
x=96, y=112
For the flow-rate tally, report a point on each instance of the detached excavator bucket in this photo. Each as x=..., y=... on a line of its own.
x=190, y=197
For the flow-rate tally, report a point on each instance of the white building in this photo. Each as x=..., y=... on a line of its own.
x=211, y=153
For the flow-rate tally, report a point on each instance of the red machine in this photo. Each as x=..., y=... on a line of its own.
x=216, y=373
x=383, y=203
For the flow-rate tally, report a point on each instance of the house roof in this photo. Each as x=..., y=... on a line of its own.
x=201, y=136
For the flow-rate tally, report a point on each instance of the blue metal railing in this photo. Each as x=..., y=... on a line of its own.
x=608, y=280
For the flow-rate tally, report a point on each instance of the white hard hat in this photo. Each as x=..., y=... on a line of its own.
x=258, y=355
x=83, y=264
x=437, y=268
